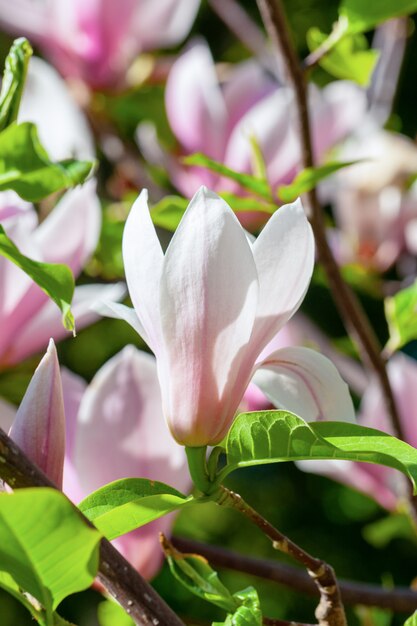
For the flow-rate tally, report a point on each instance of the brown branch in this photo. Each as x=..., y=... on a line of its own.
x=330, y=611
x=349, y=307
x=399, y=600
x=121, y=580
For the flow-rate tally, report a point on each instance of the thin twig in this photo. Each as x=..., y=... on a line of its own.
x=399, y=600
x=121, y=580
x=349, y=307
x=330, y=611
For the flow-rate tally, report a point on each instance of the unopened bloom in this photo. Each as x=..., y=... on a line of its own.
x=97, y=40
x=39, y=425
x=220, y=120
x=113, y=428
x=209, y=306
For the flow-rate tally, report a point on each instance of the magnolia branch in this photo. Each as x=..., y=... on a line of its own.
x=330, y=611
x=121, y=580
x=349, y=307
x=399, y=600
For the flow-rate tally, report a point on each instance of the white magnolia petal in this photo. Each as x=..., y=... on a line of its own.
x=62, y=126
x=143, y=259
x=119, y=311
x=7, y=414
x=284, y=257
x=306, y=383
x=209, y=292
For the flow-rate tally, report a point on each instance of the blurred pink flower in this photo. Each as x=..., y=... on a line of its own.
x=114, y=429
x=220, y=119
x=68, y=235
x=98, y=39
x=383, y=484
x=375, y=209
x=209, y=306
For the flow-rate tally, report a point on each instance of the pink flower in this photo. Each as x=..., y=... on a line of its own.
x=114, y=429
x=219, y=120
x=375, y=211
x=383, y=484
x=97, y=40
x=209, y=306
x=68, y=235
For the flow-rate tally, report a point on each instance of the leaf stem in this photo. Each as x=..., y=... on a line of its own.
x=351, y=311
x=330, y=611
x=197, y=463
x=116, y=574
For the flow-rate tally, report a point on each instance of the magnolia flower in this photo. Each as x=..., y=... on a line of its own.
x=114, y=429
x=375, y=210
x=68, y=235
x=383, y=484
x=209, y=306
x=220, y=120
x=97, y=40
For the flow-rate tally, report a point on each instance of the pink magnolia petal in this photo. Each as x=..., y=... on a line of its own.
x=194, y=102
x=208, y=302
x=119, y=311
x=71, y=231
x=284, y=257
x=120, y=418
x=48, y=320
x=306, y=383
x=25, y=17
x=364, y=477
x=143, y=258
x=39, y=425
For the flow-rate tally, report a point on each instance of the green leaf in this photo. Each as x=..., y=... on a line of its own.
x=411, y=621
x=363, y=16
x=308, y=179
x=167, y=213
x=110, y=613
x=349, y=59
x=9, y=584
x=274, y=436
x=401, y=314
x=56, y=280
x=26, y=168
x=396, y=525
x=14, y=77
x=248, y=614
x=126, y=504
x=194, y=572
x=251, y=183
x=45, y=545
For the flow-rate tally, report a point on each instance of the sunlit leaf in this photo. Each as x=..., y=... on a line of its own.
x=14, y=76
x=401, y=314
x=167, y=213
x=26, y=168
x=46, y=546
x=363, y=16
x=246, y=181
x=126, y=504
x=349, y=59
x=308, y=178
x=110, y=613
x=411, y=621
x=56, y=280
x=274, y=436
